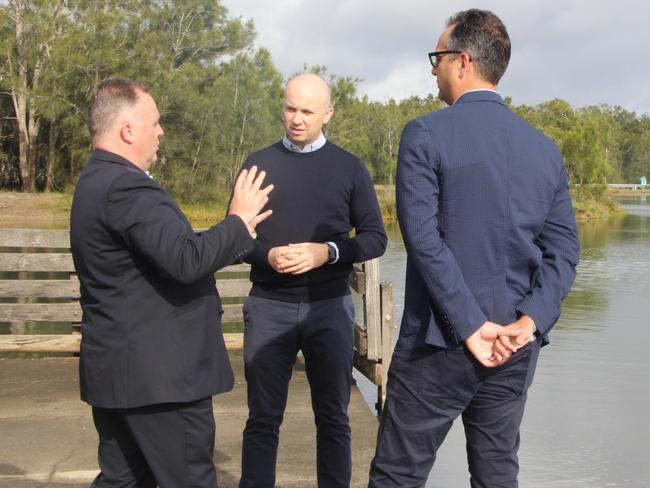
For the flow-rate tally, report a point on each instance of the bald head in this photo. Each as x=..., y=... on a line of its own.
x=312, y=84
x=306, y=108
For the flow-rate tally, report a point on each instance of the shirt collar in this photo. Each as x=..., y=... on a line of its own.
x=475, y=90
x=314, y=146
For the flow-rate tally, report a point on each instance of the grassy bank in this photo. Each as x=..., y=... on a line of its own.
x=585, y=208
x=52, y=210
x=596, y=209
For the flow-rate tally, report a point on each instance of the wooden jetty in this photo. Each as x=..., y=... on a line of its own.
x=48, y=437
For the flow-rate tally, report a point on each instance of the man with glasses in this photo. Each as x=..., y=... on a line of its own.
x=488, y=225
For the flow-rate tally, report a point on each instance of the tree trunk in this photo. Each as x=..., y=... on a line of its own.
x=51, y=154
x=19, y=96
x=24, y=105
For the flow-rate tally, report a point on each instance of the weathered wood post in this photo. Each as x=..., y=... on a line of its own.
x=388, y=328
x=372, y=309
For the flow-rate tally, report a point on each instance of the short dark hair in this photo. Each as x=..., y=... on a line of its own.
x=109, y=98
x=483, y=36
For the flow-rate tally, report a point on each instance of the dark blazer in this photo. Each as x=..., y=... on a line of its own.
x=484, y=208
x=151, y=313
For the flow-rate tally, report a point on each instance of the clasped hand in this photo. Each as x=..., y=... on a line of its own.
x=298, y=258
x=492, y=344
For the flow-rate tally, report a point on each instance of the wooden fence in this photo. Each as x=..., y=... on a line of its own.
x=38, y=285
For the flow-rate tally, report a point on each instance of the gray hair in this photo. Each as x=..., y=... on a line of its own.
x=110, y=97
x=483, y=36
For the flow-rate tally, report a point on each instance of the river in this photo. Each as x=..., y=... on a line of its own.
x=587, y=421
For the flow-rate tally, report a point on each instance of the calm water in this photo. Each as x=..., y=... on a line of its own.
x=587, y=422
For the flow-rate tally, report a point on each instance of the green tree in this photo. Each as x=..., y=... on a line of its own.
x=235, y=110
x=30, y=30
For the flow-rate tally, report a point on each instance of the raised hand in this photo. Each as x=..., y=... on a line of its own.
x=249, y=198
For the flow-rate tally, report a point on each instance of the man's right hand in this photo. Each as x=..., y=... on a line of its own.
x=249, y=198
x=485, y=347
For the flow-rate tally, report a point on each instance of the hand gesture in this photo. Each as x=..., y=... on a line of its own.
x=248, y=198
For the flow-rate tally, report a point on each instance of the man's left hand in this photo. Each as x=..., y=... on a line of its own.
x=527, y=329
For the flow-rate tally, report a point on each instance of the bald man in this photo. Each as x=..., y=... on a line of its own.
x=152, y=352
x=300, y=299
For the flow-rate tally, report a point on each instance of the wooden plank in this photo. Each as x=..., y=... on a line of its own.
x=233, y=287
x=235, y=268
x=357, y=281
x=50, y=262
x=70, y=343
x=40, y=312
x=39, y=288
x=234, y=341
x=360, y=340
x=53, y=262
x=38, y=238
x=71, y=312
x=372, y=314
x=40, y=343
x=370, y=369
x=228, y=287
x=388, y=328
x=232, y=314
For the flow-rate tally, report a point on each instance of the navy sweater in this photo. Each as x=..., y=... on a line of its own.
x=318, y=196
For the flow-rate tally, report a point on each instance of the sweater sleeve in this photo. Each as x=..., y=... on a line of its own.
x=370, y=238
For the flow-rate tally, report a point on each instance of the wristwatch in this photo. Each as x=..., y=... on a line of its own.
x=331, y=253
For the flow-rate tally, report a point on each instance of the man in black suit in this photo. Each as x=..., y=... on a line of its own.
x=152, y=352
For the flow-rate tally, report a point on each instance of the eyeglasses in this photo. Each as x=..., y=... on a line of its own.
x=433, y=57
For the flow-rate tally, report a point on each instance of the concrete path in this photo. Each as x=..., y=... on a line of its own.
x=47, y=438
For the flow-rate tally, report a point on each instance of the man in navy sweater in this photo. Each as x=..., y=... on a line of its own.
x=300, y=299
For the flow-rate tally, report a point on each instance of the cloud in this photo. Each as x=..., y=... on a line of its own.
x=582, y=51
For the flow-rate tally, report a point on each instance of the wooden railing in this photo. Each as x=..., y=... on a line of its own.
x=39, y=285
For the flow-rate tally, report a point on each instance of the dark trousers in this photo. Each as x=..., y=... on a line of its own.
x=167, y=445
x=274, y=332
x=427, y=389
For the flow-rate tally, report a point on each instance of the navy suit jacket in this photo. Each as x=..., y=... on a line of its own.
x=151, y=313
x=484, y=208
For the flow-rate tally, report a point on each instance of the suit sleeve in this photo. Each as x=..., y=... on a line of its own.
x=560, y=247
x=152, y=225
x=417, y=191
x=370, y=238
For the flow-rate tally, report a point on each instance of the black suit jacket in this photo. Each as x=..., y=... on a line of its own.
x=151, y=313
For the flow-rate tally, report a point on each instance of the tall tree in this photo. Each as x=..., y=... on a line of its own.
x=31, y=29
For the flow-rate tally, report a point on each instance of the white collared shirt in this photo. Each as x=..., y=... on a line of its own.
x=476, y=90
x=314, y=146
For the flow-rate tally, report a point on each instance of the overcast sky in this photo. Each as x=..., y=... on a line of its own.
x=583, y=51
